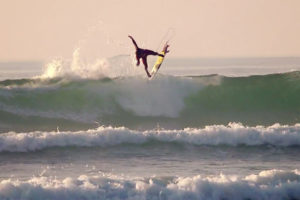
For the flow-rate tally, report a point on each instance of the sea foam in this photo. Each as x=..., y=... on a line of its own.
x=233, y=134
x=271, y=184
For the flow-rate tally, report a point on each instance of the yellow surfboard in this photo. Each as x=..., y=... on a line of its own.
x=158, y=62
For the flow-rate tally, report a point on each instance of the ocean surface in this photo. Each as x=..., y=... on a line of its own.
x=208, y=129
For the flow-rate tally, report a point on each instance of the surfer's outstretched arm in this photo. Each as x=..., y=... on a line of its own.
x=144, y=59
x=133, y=41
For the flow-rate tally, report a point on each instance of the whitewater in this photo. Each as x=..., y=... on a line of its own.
x=206, y=129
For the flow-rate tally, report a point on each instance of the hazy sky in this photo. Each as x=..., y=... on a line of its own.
x=44, y=29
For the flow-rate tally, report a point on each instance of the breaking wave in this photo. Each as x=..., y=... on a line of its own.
x=137, y=102
x=232, y=135
x=271, y=184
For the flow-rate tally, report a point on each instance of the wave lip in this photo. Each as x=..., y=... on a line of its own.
x=271, y=184
x=233, y=134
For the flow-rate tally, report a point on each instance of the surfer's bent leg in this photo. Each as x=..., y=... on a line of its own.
x=137, y=61
x=144, y=59
x=150, y=52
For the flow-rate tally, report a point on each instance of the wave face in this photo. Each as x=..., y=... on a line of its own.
x=134, y=102
x=231, y=135
x=271, y=184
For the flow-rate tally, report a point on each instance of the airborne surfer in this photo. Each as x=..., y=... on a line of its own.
x=142, y=54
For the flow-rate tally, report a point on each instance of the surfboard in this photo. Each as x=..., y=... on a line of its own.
x=158, y=62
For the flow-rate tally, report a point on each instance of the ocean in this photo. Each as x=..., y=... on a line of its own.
x=208, y=129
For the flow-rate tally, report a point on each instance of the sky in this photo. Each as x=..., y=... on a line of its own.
x=46, y=29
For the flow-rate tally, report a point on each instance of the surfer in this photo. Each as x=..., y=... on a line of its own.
x=142, y=54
